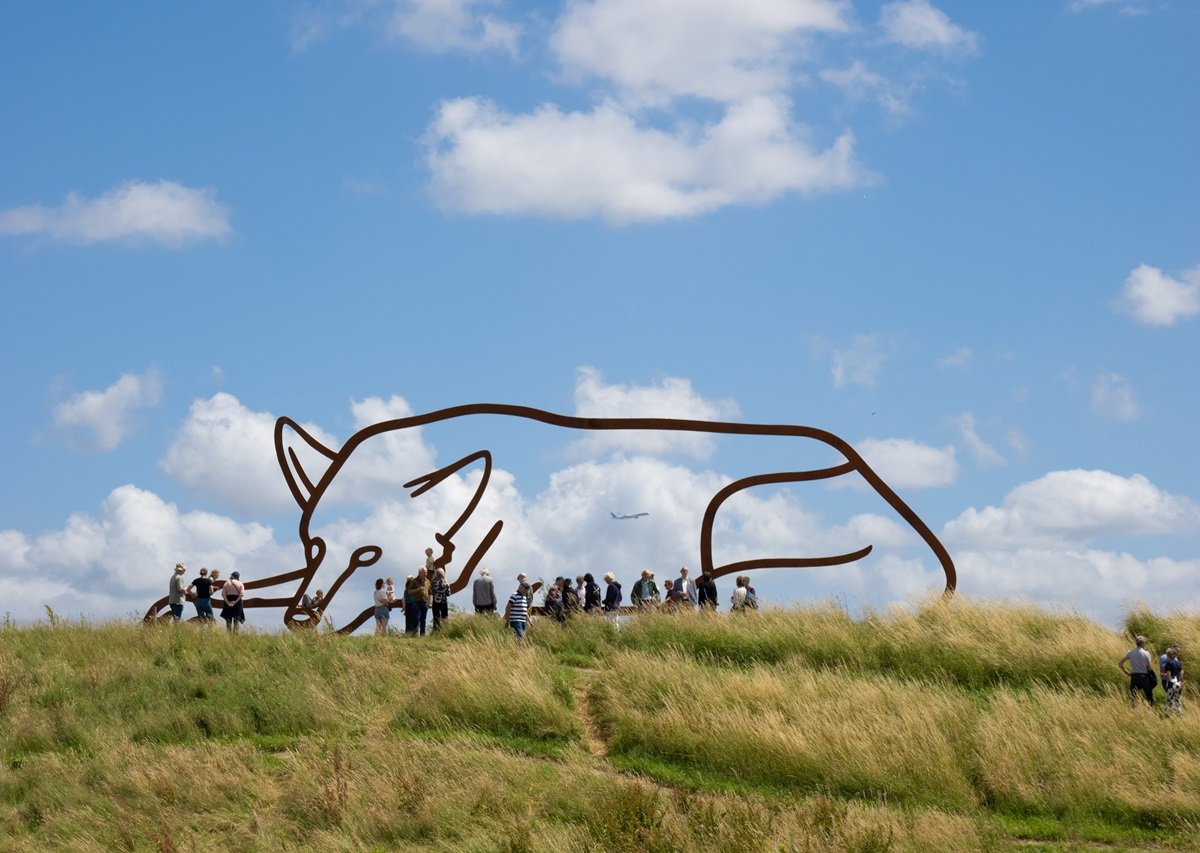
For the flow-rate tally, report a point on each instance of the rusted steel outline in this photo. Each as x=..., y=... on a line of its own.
x=298, y=480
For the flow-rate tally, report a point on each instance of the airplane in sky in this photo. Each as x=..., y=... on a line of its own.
x=634, y=515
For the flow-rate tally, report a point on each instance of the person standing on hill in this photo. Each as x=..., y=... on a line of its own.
x=1172, y=680
x=234, y=611
x=203, y=585
x=439, y=592
x=383, y=607
x=483, y=593
x=708, y=591
x=516, y=611
x=1140, y=670
x=591, y=593
x=737, y=601
x=416, y=590
x=176, y=594
x=685, y=588
x=612, y=595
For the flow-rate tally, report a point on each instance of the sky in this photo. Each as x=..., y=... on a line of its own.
x=962, y=236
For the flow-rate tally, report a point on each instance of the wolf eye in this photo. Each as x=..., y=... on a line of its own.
x=367, y=555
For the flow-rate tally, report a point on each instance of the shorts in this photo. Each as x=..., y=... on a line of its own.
x=518, y=628
x=382, y=611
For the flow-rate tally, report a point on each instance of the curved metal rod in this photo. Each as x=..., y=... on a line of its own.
x=308, y=489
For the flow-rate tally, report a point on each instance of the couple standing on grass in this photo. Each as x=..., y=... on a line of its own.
x=1139, y=666
x=233, y=591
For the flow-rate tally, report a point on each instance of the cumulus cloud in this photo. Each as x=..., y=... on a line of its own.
x=162, y=212
x=657, y=50
x=603, y=162
x=106, y=417
x=907, y=464
x=983, y=452
x=226, y=452
x=859, y=363
x=118, y=561
x=1065, y=508
x=918, y=24
x=1102, y=584
x=1154, y=298
x=672, y=397
x=1113, y=397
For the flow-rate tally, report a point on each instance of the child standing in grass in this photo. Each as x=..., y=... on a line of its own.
x=1172, y=676
x=516, y=612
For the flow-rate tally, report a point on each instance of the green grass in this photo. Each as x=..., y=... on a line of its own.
x=959, y=727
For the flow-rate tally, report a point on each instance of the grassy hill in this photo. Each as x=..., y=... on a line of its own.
x=959, y=727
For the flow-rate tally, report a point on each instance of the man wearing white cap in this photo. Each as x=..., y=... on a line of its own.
x=176, y=595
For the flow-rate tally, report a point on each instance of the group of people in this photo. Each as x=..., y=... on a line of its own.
x=1138, y=664
x=427, y=590
x=232, y=591
x=564, y=598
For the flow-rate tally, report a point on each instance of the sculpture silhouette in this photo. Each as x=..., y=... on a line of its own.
x=308, y=486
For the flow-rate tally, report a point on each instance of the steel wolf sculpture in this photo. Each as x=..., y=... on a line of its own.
x=308, y=485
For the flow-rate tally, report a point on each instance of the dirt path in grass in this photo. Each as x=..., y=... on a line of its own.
x=590, y=732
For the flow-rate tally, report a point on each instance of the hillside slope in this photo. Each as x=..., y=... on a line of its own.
x=954, y=727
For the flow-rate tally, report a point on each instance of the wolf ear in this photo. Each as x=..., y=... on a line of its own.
x=298, y=480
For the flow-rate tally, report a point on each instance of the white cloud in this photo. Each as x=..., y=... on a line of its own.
x=108, y=415
x=983, y=452
x=1154, y=298
x=1113, y=397
x=1125, y=9
x=454, y=25
x=163, y=212
x=858, y=83
x=1071, y=508
x=603, y=163
x=118, y=561
x=907, y=464
x=440, y=26
x=672, y=397
x=1017, y=441
x=918, y=24
x=1105, y=585
x=227, y=453
x=657, y=50
x=859, y=363
x=961, y=359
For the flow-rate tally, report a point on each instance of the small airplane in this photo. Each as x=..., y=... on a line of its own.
x=622, y=517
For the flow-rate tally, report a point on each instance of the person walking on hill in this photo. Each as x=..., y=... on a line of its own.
x=234, y=611
x=685, y=589
x=1172, y=681
x=1138, y=665
x=516, y=611
x=383, y=607
x=483, y=593
x=176, y=593
x=203, y=586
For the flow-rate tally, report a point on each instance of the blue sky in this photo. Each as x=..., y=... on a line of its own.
x=962, y=236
